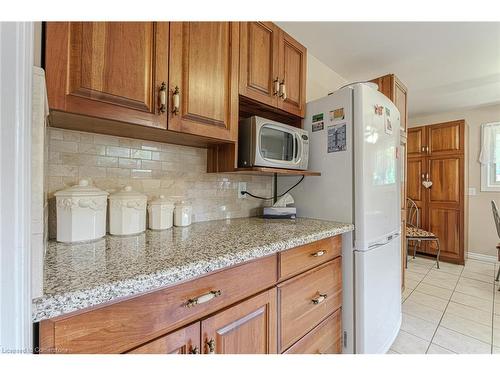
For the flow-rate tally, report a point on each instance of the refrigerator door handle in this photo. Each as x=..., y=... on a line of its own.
x=389, y=239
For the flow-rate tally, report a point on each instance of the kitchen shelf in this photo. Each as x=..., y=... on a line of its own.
x=274, y=171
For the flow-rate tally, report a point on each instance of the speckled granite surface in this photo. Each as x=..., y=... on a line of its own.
x=83, y=275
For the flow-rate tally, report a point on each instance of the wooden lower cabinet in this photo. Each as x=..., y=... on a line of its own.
x=326, y=338
x=247, y=328
x=184, y=341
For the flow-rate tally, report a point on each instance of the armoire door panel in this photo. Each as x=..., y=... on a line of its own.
x=446, y=138
x=259, y=61
x=445, y=223
x=292, y=74
x=445, y=174
x=414, y=172
x=204, y=67
x=416, y=141
x=400, y=101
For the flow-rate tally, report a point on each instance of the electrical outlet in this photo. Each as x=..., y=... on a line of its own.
x=242, y=186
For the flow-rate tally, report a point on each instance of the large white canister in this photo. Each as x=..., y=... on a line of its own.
x=161, y=213
x=81, y=213
x=127, y=212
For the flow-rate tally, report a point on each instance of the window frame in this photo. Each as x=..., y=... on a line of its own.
x=489, y=170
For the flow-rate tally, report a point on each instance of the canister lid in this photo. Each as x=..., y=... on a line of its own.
x=162, y=201
x=82, y=189
x=127, y=193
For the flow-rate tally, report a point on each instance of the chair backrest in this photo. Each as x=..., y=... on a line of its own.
x=496, y=217
x=413, y=213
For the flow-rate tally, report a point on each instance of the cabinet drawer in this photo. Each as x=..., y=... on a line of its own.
x=302, y=258
x=123, y=325
x=307, y=299
x=183, y=341
x=323, y=339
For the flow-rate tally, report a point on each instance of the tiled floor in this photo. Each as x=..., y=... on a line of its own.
x=455, y=309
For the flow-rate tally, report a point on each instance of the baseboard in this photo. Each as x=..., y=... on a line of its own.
x=482, y=257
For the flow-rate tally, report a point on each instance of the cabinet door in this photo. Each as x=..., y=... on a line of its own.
x=445, y=205
x=204, y=59
x=446, y=138
x=246, y=328
x=417, y=141
x=292, y=60
x=183, y=341
x=416, y=191
x=259, y=62
x=400, y=101
x=111, y=70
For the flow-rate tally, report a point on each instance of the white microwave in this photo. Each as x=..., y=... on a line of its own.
x=267, y=143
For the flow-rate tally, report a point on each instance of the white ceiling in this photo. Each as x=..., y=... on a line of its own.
x=445, y=65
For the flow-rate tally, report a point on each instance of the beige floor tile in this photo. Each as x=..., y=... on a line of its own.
x=441, y=279
x=418, y=327
x=454, y=269
x=414, y=276
x=471, y=313
x=477, y=266
x=497, y=307
x=496, y=350
x=496, y=337
x=486, y=277
x=428, y=300
x=467, y=327
x=391, y=352
x=418, y=268
x=472, y=301
x=459, y=343
x=433, y=290
x=422, y=311
x=436, y=349
x=410, y=283
x=406, y=293
x=406, y=343
x=496, y=321
x=466, y=286
x=476, y=284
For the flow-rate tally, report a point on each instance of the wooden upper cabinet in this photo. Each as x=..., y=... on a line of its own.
x=272, y=67
x=204, y=59
x=111, y=70
x=292, y=89
x=396, y=91
x=446, y=138
x=246, y=328
x=258, y=61
x=183, y=341
x=417, y=141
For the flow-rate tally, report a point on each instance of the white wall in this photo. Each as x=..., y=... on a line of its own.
x=320, y=79
x=482, y=233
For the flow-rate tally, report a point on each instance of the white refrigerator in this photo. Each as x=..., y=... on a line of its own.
x=354, y=143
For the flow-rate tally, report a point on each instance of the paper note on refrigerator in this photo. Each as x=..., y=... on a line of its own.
x=337, y=140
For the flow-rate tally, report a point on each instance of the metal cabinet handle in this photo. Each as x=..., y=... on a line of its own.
x=176, y=100
x=194, y=350
x=319, y=299
x=423, y=176
x=427, y=176
x=276, y=86
x=211, y=346
x=319, y=253
x=163, y=97
x=203, y=298
x=427, y=149
x=282, y=90
x=423, y=148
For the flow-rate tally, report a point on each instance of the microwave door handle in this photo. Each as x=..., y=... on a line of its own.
x=296, y=148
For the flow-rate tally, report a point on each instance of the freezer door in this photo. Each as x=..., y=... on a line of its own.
x=377, y=297
x=376, y=175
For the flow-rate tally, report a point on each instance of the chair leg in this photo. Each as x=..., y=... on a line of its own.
x=415, y=248
x=439, y=252
x=498, y=274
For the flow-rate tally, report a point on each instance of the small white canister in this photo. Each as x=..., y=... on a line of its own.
x=81, y=213
x=127, y=212
x=161, y=213
x=182, y=213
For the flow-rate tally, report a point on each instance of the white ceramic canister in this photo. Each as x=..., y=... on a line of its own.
x=182, y=213
x=127, y=212
x=161, y=213
x=81, y=213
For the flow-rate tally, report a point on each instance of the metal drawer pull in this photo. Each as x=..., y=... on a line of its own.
x=194, y=350
x=319, y=253
x=163, y=97
x=176, y=100
x=203, y=298
x=211, y=346
x=319, y=299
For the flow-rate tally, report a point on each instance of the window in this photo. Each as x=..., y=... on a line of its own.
x=490, y=157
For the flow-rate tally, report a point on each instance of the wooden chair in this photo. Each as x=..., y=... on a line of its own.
x=496, y=217
x=415, y=233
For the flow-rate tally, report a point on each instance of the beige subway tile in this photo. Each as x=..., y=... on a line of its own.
x=90, y=171
x=140, y=173
x=140, y=154
x=55, y=134
x=69, y=135
x=86, y=137
x=117, y=151
x=130, y=143
x=55, y=170
x=63, y=146
x=117, y=172
x=150, y=164
x=107, y=140
x=54, y=158
x=85, y=148
x=107, y=161
x=129, y=163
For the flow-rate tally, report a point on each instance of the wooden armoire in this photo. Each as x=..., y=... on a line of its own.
x=438, y=153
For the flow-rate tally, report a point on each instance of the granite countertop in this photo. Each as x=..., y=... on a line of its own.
x=87, y=274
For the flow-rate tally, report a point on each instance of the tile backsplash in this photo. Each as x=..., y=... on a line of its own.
x=152, y=168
